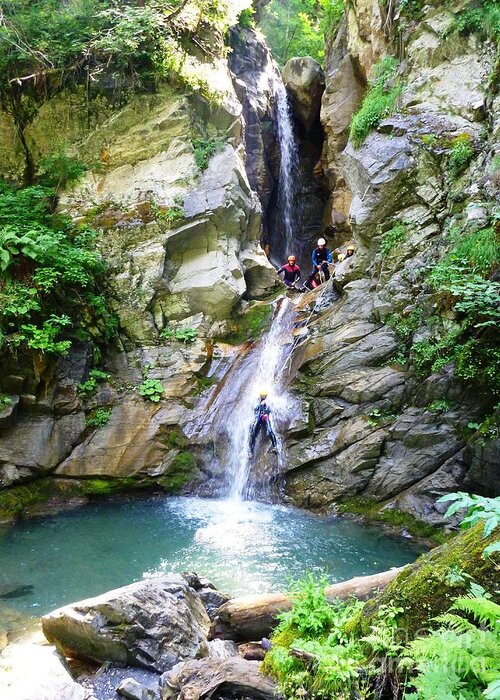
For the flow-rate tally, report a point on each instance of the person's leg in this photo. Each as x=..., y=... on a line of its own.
x=270, y=433
x=253, y=435
x=326, y=271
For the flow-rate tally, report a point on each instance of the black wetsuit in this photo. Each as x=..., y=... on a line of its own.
x=320, y=256
x=262, y=420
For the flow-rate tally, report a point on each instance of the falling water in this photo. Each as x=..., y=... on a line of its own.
x=233, y=412
x=289, y=159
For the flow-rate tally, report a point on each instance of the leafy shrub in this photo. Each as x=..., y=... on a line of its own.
x=95, y=376
x=392, y=238
x=298, y=27
x=439, y=406
x=246, y=18
x=459, y=281
x=404, y=325
x=204, y=149
x=184, y=335
x=50, y=274
x=151, y=389
x=480, y=509
x=379, y=101
x=460, y=154
x=99, y=418
x=5, y=400
x=480, y=17
x=59, y=170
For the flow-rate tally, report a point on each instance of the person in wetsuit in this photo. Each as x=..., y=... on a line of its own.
x=321, y=256
x=291, y=272
x=262, y=420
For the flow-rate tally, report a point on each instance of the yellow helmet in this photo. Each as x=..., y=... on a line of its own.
x=351, y=247
x=263, y=393
x=341, y=257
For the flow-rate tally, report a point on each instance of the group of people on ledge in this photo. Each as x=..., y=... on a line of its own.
x=321, y=257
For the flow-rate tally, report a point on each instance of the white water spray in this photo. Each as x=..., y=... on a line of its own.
x=289, y=158
x=233, y=412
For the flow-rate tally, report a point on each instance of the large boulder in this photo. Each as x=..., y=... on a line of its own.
x=305, y=82
x=153, y=624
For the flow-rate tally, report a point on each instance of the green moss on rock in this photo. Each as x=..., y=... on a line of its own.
x=250, y=325
x=393, y=517
x=424, y=589
x=180, y=472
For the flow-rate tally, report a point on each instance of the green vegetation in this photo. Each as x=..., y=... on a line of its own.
x=59, y=170
x=374, y=511
x=405, y=325
x=5, y=400
x=151, y=389
x=250, y=325
x=488, y=428
x=379, y=101
x=47, y=45
x=204, y=149
x=52, y=280
x=181, y=470
x=392, y=238
x=479, y=17
x=89, y=386
x=394, y=642
x=99, y=417
x=460, y=154
x=183, y=335
x=298, y=27
x=462, y=283
x=479, y=510
x=439, y=406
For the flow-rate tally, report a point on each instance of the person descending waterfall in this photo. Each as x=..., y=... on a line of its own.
x=321, y=256
x=262, y=420
x=350, y=250
x=291, y=272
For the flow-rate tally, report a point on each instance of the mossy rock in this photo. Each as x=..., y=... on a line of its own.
x=13, y=501
x=423, y=589
x=179, y=473
x=392, y=517
x=250, y=325
x=107, y=487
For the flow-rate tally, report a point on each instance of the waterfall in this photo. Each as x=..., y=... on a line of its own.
x=289, y=158
x=233, y=411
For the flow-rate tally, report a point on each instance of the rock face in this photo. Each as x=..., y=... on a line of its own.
x=152, y=624
x=305, y=82
x=375, y=433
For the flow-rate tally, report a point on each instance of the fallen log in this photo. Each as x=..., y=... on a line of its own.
x=252, y=617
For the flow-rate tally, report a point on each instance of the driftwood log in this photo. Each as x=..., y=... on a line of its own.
x=252, y=617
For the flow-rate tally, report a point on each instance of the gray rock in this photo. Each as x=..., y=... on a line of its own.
x=131, y=689
x=153, y=624
x=305, y=82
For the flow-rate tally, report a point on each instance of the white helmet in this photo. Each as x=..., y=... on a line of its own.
x=321, y=241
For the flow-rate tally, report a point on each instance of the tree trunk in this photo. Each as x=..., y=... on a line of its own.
x=254, y=616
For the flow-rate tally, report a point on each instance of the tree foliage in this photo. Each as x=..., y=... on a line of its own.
x=298, y=27
x=51, y=278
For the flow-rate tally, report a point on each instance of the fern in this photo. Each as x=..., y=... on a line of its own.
x=459, y=660
x=485, y=611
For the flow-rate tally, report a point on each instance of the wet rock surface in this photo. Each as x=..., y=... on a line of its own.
x=152, y=624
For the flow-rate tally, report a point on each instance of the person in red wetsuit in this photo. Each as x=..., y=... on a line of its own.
x=291, y=272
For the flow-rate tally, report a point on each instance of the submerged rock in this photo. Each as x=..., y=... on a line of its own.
x=153, y=624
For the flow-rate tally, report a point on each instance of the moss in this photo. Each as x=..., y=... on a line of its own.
x=250, y=325
x=105, y=487
x=423, y=589
x=15, y=500
x=393, y=517
x=175, y=439
x=180, y=472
